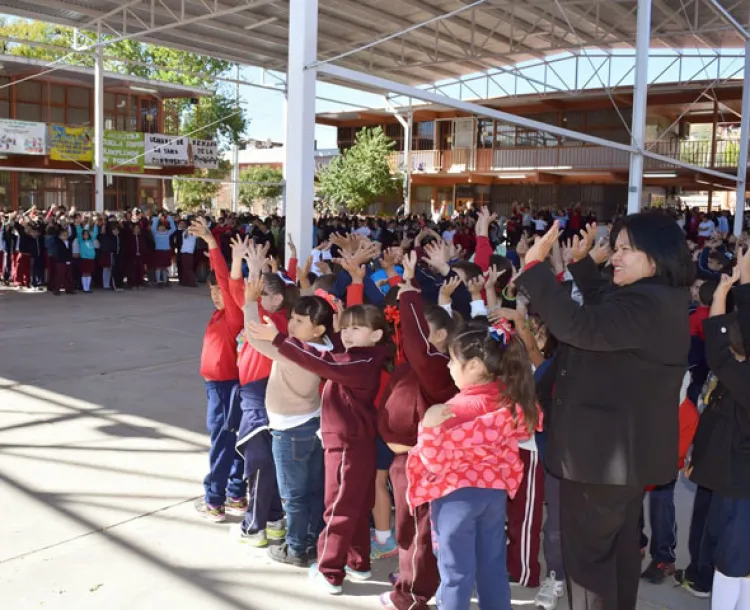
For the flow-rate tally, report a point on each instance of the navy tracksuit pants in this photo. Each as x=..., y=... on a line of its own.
x=468, y=527
x=224, y=476
x=254, y=442
x=663, y=524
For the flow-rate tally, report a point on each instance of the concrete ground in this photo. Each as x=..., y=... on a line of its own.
x=102, y=452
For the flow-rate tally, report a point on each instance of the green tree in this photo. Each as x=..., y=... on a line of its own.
x=250, y=193
x=191, y=194
x=361, y=175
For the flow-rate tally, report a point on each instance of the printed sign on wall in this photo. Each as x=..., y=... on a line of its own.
x=70, y=143
x=22, y=137
x=123, y=151
x=166, y=151
x=205, y=153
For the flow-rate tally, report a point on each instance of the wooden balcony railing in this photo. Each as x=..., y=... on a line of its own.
x=578, y=157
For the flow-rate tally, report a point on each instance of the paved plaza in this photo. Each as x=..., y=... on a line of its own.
x=102, y=451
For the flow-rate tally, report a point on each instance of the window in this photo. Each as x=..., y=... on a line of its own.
x=29, y=112
x=424, y=136
x=485, y=133
x=57, y=115
x=109, y=101
x=29, y=91
x=79, y=116
x=57, y=95
x=79, y=97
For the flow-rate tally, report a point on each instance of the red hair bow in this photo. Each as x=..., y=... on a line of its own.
x=329, y=298
x=393, y=316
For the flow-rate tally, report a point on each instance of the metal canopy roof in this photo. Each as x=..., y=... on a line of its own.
x=11, y=65
x=492, y=34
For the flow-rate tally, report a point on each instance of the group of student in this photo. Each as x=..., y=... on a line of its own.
x=68, y=251
x=395, y=362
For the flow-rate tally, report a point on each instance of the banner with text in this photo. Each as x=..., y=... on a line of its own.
x=70, y=143
x=205, y=153
x=123, y=151
x=22, y=137
x=166, y=151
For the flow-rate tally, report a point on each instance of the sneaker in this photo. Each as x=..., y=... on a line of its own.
x=276, y=530
x=550, y=592
x=657, y=571
x=357, y=575
x=384, y=551
x=256, y=539
x=322, y=583
x=312, y=553
x=209, y=511
x=237, y=507
x=393, y=578
x=283, y=554
x=386, y=602
x=681, y=580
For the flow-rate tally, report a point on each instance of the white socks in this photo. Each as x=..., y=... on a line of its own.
x=381, y=537
x=107, y=277
x=730, y=593
x=86, y=281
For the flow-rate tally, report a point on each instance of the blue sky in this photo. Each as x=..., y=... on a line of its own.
x=265, y=109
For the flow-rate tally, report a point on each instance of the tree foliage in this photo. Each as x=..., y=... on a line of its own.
x=361, y=175
x=254, y=192
x=191, y=194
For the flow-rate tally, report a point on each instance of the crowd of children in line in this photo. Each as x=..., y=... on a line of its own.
x=402, y=354
x=400, y=363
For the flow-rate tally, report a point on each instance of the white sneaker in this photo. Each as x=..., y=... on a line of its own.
x=321, y=582
x=550, y=591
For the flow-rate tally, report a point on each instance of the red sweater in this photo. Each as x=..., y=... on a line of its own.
x=696, y=321
x=219, y=355
x=348, y=415
x=422, y=381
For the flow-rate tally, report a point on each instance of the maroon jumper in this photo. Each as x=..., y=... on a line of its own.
x=348, y=430
x=421, y=382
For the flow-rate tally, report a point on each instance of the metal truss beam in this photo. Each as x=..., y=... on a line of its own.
x=727, y=17
x=374, y=82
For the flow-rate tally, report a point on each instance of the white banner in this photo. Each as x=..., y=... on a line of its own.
x=166, y=151
x=23, y=138
x=205, y=153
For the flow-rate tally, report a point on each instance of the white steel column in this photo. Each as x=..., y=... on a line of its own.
x=98, y=131
x=739, y=210
x=236, y=151
x=300, y=123
x=640, y=101
x=408, y=136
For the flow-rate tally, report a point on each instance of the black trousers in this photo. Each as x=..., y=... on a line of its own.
x=600, y=537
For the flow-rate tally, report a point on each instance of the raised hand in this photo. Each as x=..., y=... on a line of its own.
x=542, y=247
x=437, y=257
x=291, y=246
x=447, y=289
x=484, y=219
x=601, y=251
x=262, y=332
x=253, y=288
x=410, y=266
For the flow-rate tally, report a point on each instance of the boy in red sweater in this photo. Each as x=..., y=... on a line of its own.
x=224, y=482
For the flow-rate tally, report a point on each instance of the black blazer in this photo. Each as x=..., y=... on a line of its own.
x=620, y=365
x=721, y=449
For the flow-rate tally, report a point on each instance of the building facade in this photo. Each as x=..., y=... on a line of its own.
x=457, y=159
x=65, y=98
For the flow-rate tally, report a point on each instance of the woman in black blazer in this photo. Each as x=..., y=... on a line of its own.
x=613, y=425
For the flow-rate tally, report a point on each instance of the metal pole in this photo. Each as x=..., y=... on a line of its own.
x=300, y=123
x=99, y=130
x=640, y=101
x=739, y=209
x=407, y=159
x=236, y=151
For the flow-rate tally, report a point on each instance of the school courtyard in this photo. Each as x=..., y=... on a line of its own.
x=102, y=452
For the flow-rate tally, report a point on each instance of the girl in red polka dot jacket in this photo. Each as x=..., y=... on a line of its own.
x=466, y=462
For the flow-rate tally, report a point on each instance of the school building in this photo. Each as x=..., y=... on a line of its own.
x=458, y=159
x=46, y=136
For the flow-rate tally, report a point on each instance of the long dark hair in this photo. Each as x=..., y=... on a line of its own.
x=507, y=362
x=318, y=310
